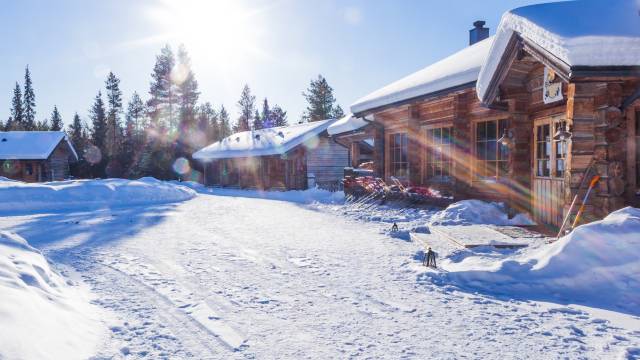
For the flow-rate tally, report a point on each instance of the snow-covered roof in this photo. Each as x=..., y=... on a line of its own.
x=271, y=141
x=346, y=124
x=458, y=69
x=31, y=145
x=586, y=33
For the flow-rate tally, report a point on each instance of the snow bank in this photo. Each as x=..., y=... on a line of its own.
x=20, y=196
x=309, y=196
x=42, y=316
x=597, y=264
x=468, y=212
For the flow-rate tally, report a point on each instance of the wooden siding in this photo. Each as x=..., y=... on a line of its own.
x=327, y=161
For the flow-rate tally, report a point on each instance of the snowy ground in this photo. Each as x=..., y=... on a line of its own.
x=229, y=274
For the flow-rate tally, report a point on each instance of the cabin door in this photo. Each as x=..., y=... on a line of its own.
x=548, y=172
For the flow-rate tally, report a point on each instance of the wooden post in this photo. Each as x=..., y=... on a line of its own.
x=355, y=154
x=462, y=155
x=413, y=146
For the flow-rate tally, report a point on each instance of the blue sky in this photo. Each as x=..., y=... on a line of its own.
x=274, y=46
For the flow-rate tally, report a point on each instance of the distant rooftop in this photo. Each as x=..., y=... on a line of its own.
x=264, y=142
x=30, y=145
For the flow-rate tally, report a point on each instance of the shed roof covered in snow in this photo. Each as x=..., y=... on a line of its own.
x=459, y=69
x=347, y=124
x=31, y=145
x=574, y=34
x=264, y=142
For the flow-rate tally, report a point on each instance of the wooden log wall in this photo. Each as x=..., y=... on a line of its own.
x=327, y=161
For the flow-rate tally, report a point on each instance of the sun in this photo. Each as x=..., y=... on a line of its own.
x=222, y=33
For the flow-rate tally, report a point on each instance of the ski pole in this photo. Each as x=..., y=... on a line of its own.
x=593, y=183
x=575, y=198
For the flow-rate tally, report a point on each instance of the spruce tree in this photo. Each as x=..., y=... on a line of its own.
x=114, y=126
x=246, y=105
x=76, y=131
x=320, y=101
x=279, y=116
x=338, y=113
x=225, y=127
x=99, y=123
x=29, y=102
x=257, y=121
x=17, y=115
x=207, y=123
x=56, y=120
x=43, y=125
x=267, y=121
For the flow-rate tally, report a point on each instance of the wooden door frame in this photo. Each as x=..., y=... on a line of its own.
x=550, y=120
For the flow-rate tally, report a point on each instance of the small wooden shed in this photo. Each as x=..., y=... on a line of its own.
x=35, y=156
x=287, y=158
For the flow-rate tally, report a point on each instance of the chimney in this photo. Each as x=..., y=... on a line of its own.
x=478, y=33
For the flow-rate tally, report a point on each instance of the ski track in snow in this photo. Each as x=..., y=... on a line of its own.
x=222, y=277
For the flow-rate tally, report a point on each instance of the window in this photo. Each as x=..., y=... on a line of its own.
x=551, y=154
x=560, y=148
x=28, y=169
x=399, y=165
x=492, y=158
x=438, y=164
x=637, y=129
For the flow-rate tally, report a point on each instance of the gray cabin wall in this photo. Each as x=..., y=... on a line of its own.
x=327, y=161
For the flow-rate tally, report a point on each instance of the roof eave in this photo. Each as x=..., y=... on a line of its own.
x=414, y=99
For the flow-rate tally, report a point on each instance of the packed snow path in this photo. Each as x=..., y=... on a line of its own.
x=232, y=277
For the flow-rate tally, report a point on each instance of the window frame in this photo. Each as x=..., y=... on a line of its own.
x=444, y=162
x=395, y=155
x=501, y=151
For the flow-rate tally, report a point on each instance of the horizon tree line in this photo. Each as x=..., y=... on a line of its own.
x=145, y=138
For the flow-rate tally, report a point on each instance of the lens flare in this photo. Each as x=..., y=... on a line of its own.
x=93, y=155
x=181, y=166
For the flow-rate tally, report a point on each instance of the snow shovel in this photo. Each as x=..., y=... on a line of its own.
x=575, y=198
x=593, y=183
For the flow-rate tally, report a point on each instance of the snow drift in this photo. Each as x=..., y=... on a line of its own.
x=314, y=195
x=42, y=316
x=468, y=212
x=597, y=264
x=20, y=196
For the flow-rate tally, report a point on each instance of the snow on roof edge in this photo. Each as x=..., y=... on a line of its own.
x=215, y=150
x=457, y=69
x=346, y=124
x=607, y=34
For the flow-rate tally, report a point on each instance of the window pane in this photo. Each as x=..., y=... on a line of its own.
x=559, y=168
x=446, y=136
x=492, y=150
x=437, y=136
x=503, y=169
x=492, y=168
x=481, y=150
x=503, y=152
x=492, y=130
x=481, y=131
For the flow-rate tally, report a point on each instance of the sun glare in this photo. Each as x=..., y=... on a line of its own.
x=220, y=32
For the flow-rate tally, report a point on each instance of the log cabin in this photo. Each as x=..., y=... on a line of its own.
x=36, y=156
x=292, y=157
x=521, y=117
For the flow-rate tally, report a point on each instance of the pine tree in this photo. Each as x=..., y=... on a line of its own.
x=208, y=123
x=267, y=121
x=246, y=104
x=113, y=142
x=29, y=102
x=56, y=120
x=135, y=112
x=279, y=116
x=43, y=125
x=17, y=114
x=225, y=128
x=76, y=132
x=162, y=90
x=320, y=101
x=338, y=113
x=187, y=95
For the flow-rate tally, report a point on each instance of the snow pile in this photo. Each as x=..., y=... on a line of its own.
x=308, y=196
x=597, y=264
x=42, y=316
x=468, y=212
x=20, y=196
